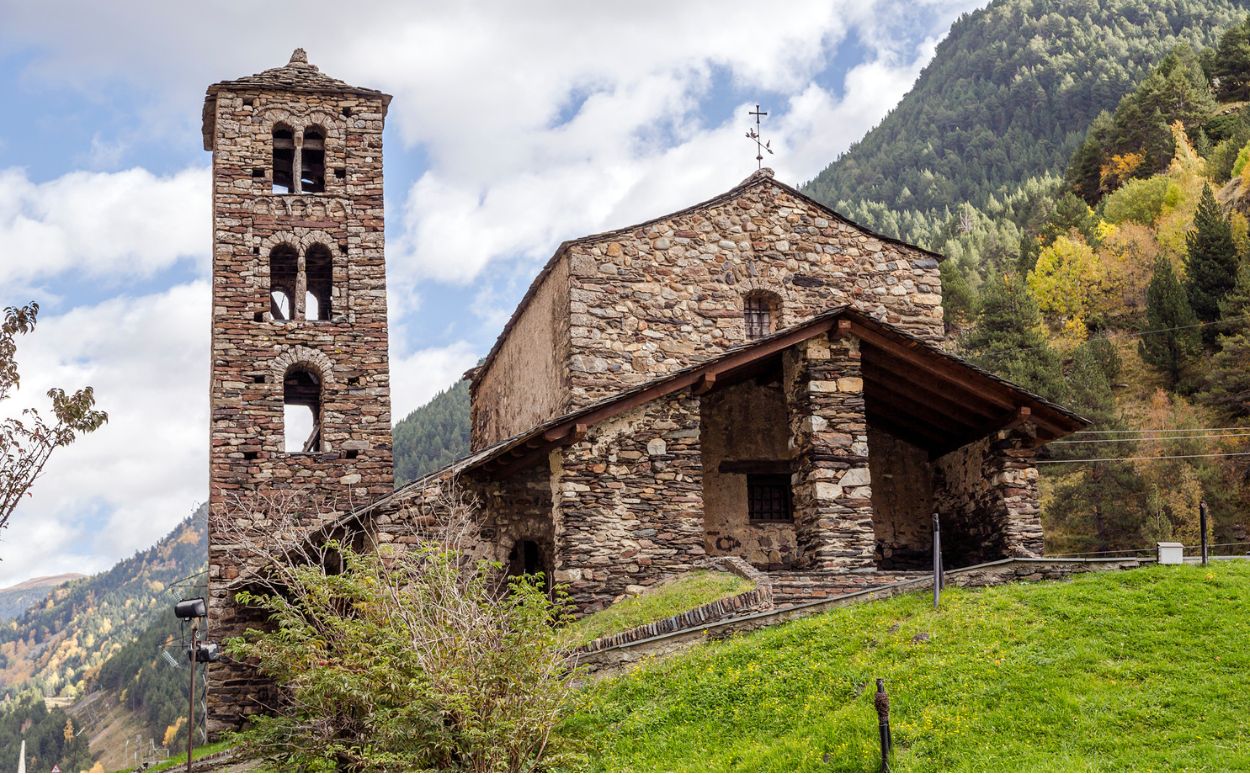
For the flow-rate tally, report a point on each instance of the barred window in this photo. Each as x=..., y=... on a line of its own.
x=768, y=498
x=759, y=312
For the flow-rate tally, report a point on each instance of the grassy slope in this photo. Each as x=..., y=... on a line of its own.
x=667, y=599
x=1139, y=670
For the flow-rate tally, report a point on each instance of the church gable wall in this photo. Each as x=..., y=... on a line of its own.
x=670, y=293
x=523, y=386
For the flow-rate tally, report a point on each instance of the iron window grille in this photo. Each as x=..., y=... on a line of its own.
x=759, y=317
x=768, y=498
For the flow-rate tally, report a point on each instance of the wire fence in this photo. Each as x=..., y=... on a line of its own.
x=1148, y=551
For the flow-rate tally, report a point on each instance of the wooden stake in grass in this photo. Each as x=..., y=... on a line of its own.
x=882, y=701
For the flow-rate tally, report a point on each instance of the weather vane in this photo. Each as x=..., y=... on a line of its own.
x=754, y=134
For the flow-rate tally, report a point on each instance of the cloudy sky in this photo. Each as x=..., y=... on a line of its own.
x=514, y=126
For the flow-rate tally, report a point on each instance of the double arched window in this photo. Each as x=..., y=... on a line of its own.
x=300, y=287
x=299, y=160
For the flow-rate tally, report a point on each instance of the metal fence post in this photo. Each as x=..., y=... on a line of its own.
x=1202, y=527
x=937, y=560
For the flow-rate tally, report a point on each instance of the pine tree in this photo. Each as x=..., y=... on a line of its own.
x=1094, y=365
x=1228, y=378
x=1172, y=339
x=1230, y=67
x=1009, y=340
x=1211, y=262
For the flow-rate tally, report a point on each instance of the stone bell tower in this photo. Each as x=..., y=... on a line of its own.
x=300, y=391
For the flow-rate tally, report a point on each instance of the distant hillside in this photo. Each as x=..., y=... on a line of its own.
x=1008, y=96
x=433, y=435
x=16, y=599
x=58, y=645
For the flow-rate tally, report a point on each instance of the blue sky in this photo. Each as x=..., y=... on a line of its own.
x=514, y=126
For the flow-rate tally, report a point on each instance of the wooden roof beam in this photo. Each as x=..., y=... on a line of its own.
x=991, y=391
x=921, y=384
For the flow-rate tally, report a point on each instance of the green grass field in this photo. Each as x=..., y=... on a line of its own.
x=670, y=598
x=1137, y=670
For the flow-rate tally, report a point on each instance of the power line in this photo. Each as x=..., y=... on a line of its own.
x=1148, y=457
x=1166, y=430
x=1124, y=440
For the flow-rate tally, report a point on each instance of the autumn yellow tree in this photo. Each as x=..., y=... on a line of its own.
x=171, y=731
x=1067, y=284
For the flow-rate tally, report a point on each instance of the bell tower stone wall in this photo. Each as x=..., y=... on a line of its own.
x=298, y=315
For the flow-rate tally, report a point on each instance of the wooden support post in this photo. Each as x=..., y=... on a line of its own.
x=882, y=702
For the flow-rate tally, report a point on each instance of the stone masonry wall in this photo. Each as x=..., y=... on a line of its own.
x=667, y=294
x=526, y=386
x=832, y=484
x=986, y=495
x=251, y=351
x=630, y=499
x=648, y=301
x=902, y=502
x=745, y=422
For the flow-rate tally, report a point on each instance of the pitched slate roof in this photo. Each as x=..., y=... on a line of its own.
x=296, y=75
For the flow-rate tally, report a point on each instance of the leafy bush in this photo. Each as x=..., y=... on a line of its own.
x=1141, y=201
x=1243, y=156
x=407, y=660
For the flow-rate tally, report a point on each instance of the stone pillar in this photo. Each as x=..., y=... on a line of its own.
x=829, y=439
x=1011, y=469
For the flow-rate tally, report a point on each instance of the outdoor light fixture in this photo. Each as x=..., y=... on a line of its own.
x=190, y=609
x=204, y=652
x=194, y=610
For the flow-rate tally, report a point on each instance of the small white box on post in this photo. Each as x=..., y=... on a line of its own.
x=1171, y=553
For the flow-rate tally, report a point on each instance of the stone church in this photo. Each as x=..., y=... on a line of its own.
x=754, y=376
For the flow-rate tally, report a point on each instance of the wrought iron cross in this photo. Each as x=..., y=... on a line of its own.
x=754, y=134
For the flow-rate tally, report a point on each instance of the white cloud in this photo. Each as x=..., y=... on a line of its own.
x=417, y=377
x=102, y=225
x=147, y=359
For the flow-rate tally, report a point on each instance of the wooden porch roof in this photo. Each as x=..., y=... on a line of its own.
x=912, y=390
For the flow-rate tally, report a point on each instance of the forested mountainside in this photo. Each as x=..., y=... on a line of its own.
x=1007, y=97
x=433, y=435
x=16, y=599
x=1121, y=286
x=57, y=646
x=53, y=738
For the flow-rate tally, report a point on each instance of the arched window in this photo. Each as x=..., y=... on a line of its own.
x=312, y=175
x=301, y=410
x=283, y=279
x=283, y=159
x=760, y=312
x=318, y=269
